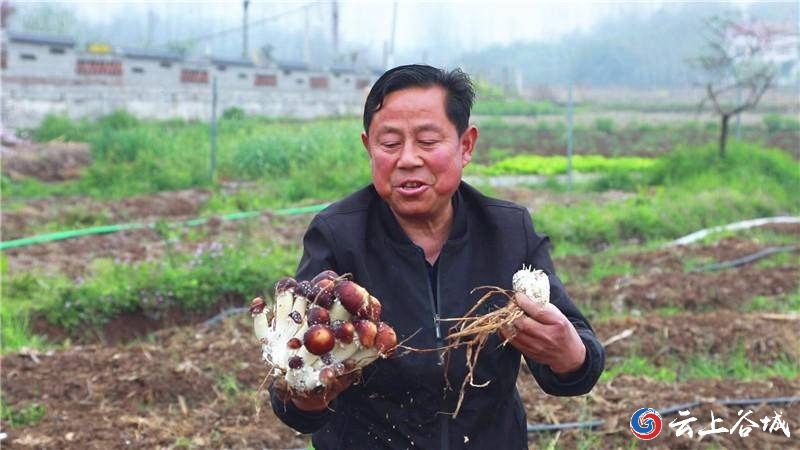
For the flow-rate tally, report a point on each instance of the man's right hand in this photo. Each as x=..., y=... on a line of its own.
x=319, y=401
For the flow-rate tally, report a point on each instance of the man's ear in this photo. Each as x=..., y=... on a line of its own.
x=468, y=140
x=365, y=141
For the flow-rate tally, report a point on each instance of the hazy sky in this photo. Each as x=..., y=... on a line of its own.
x=429, y=31
x=476, y=24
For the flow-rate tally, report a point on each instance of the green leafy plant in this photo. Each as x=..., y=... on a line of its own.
x=604, y=124
x=55, y=126
x=776, y=123
x=233, y=113
x=27, y=415
x=552, y=165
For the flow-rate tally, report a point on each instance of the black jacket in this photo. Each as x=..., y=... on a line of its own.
x=404, y=402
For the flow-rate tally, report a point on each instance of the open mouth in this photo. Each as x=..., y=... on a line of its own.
x=411, y=187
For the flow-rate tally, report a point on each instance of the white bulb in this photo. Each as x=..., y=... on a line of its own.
x=534, y=283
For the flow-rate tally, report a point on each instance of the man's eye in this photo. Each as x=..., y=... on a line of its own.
x=427, y=143
x=390, y=144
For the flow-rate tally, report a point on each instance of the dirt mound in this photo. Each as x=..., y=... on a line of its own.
x=48, y=161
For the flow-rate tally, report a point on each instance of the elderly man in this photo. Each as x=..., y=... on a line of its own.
x=420, y=239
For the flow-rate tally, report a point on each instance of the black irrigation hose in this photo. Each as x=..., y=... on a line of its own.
x=544, y=427
x=745, y=259
x=592, y=424
x=226, y=313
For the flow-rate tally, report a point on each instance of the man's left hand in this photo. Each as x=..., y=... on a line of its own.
x=546, y=336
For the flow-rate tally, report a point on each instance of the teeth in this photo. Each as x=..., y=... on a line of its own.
x=411, y=185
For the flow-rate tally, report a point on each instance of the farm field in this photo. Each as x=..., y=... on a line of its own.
x=105, y=340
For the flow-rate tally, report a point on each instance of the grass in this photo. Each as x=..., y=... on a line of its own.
x=193, y=282
x=228, y=385
x=16, y=330
x=788, y=303
x=638, y=366
x=782, y=259
x=738, y=367
x=602, y=265
x=283, y=163
x=28, y=415
x=686, y=191
x=600, y=271
x=296, y=160
x=183, y=442
x=735, y=366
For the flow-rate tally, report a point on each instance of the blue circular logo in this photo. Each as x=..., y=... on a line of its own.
x=646, y=423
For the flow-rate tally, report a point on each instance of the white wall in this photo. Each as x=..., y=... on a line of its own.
x=26, y=105
x=46, y=64
x=231, y=77
x=31, y=89
x=154, y=73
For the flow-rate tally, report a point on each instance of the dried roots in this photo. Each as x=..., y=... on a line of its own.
x=472, y=331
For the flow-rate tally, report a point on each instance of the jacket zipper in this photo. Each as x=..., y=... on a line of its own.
x=443, y=424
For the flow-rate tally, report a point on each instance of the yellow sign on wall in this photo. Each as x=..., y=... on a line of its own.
x=98, y=48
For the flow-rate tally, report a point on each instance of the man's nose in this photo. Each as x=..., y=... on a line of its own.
x=409, y=155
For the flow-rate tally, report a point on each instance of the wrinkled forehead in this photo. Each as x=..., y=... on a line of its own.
x=418, y=109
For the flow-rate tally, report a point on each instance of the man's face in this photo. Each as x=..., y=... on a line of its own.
x=416, y=154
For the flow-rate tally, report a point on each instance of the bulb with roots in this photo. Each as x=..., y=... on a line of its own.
x=318, y=330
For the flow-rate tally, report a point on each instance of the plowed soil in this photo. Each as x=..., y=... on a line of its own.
x=201, y=385
x=51, y=161
x=74, y=256
x=85, y=211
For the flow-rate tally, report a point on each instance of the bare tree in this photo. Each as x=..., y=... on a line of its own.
x=739, y=60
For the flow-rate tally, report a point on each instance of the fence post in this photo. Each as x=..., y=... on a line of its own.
x=569, y=136
x=213, y=156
